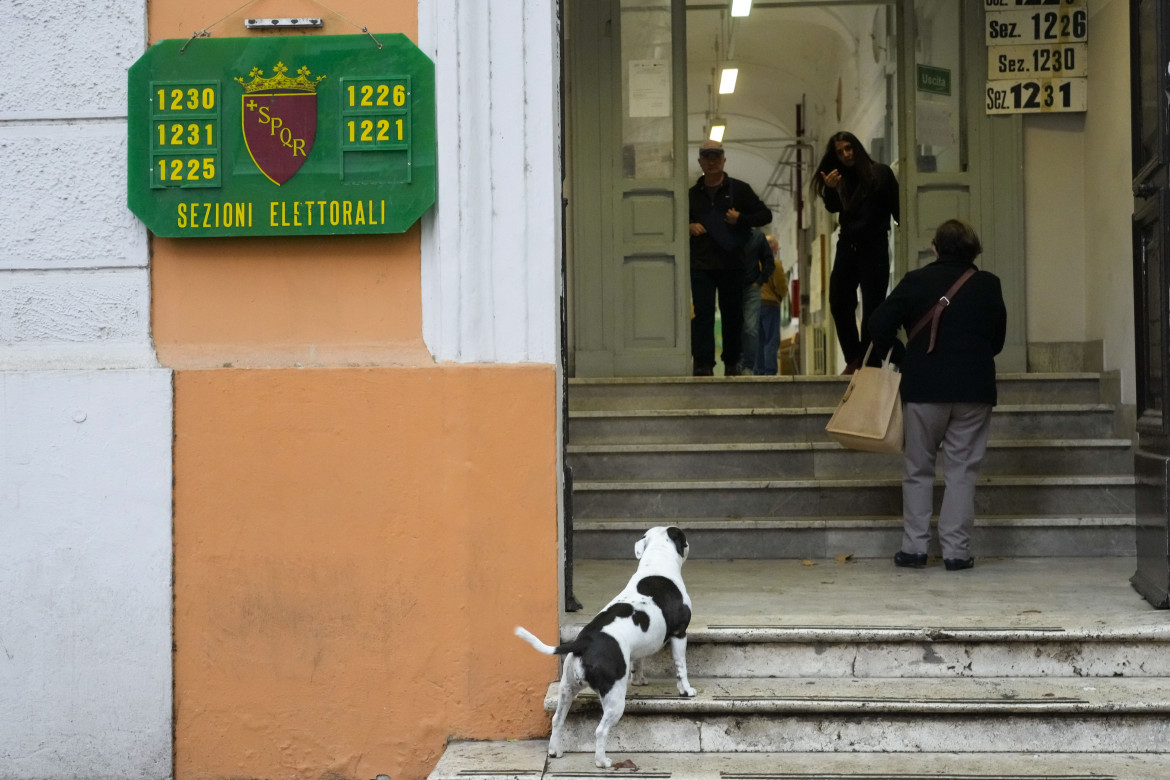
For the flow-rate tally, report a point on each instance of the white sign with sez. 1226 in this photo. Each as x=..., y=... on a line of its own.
x=1063, y=24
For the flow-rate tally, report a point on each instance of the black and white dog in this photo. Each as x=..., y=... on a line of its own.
x=653, y=608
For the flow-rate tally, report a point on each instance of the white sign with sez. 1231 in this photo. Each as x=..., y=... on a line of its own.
x=1038, y=96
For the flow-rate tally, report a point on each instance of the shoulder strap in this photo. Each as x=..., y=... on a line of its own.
x=935, y=312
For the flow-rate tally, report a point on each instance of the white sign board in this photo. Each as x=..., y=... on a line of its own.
x=1036, y=25
x=1064, y=60
x=1036, y=96
x=997, y=5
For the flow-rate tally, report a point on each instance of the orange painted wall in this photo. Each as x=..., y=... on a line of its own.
x=315, y=301
x=352, y=550
x=357, y=528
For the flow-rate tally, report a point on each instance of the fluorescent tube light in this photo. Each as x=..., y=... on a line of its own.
x=718, y=126
x=727, y=80
x=741, y=7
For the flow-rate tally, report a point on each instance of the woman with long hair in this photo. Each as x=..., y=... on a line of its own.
x=865, y=195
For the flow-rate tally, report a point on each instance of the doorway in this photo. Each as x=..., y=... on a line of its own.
x=642, y=91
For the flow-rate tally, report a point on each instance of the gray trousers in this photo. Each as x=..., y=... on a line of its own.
x=959, y=433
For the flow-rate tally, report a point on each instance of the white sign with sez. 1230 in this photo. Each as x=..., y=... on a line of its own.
x=1061, y=60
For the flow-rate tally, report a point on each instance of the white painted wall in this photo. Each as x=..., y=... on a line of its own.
x=1109, y=194
x=85, y=412
x=491, y=246
x=1078, y=207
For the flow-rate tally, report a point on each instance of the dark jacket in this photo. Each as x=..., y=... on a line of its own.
x=971, y=333
x=721, y=247
x=866, y=215
x=758, y=261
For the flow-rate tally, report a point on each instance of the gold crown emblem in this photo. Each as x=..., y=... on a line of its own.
x=280, y=80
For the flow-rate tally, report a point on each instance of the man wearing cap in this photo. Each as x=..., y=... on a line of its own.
x=723, y=211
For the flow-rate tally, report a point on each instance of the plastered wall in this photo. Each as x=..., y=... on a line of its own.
x=85, y=413
x=361, y=517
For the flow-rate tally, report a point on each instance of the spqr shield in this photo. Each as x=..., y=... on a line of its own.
x=279, y=129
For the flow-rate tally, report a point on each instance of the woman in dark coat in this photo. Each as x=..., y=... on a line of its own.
x=865, y=195
x=947, y=392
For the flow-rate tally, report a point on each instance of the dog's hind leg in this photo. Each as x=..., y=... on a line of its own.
x=572, y=681
x=678, y=648
x=613, y=704
x=637, y=675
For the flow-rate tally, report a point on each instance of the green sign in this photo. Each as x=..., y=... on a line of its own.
x=281, y=136
x=936, y=81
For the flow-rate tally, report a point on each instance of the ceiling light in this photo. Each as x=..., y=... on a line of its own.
x=727, y=79
x=718, y=126
x=741, y=7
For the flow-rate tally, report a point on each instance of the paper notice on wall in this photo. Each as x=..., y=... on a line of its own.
x=935, y=124
x=649, y=88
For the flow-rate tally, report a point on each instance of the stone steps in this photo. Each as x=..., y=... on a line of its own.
x=799, y=391
x=994, y=495
x=800, y=424
x=828, y=460
x=1018, y=669
x=526, y=760
x=862, y=536
x=746, y=464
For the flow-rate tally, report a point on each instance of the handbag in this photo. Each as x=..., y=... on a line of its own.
x=869, y=416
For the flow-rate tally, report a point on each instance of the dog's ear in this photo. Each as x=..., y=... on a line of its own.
x=680, y=541
x=640, y=547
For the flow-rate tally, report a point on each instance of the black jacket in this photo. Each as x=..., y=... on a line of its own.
x=721, y=247
x=758, y=261
x=866, y=217
x=971, y=333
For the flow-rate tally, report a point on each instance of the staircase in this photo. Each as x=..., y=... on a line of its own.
x=745, y=467
x=813, y=656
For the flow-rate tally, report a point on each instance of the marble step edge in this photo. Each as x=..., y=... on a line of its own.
x=640, y=524
x=802, y=411
x=801, y=446
x=527, y=759
x=953, y=696
x=1039, y=481
x=751, y=631
x=807, y=379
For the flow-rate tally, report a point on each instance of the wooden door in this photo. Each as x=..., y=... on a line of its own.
x=1150, y=53
x=628, y=275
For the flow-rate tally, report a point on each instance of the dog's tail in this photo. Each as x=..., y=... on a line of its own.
x=528, y=637
x=577, y=646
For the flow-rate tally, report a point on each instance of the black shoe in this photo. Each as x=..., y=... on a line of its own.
x=731, y=371
x=958, y=564
x=916, y=560
x=704, y=371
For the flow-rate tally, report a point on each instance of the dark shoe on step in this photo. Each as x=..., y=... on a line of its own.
x=731, y=371
x=958, y=564
x=916, y=560
x=704, y=371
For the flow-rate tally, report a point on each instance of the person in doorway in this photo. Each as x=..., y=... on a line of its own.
x=948, y=388
x=722, y=212
x=772, y=294
x=759, y=263
x=865, y=195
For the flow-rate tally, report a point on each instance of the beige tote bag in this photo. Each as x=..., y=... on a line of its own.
x=869, y=417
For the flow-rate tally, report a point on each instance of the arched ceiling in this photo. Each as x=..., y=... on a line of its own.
x=788, y=54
